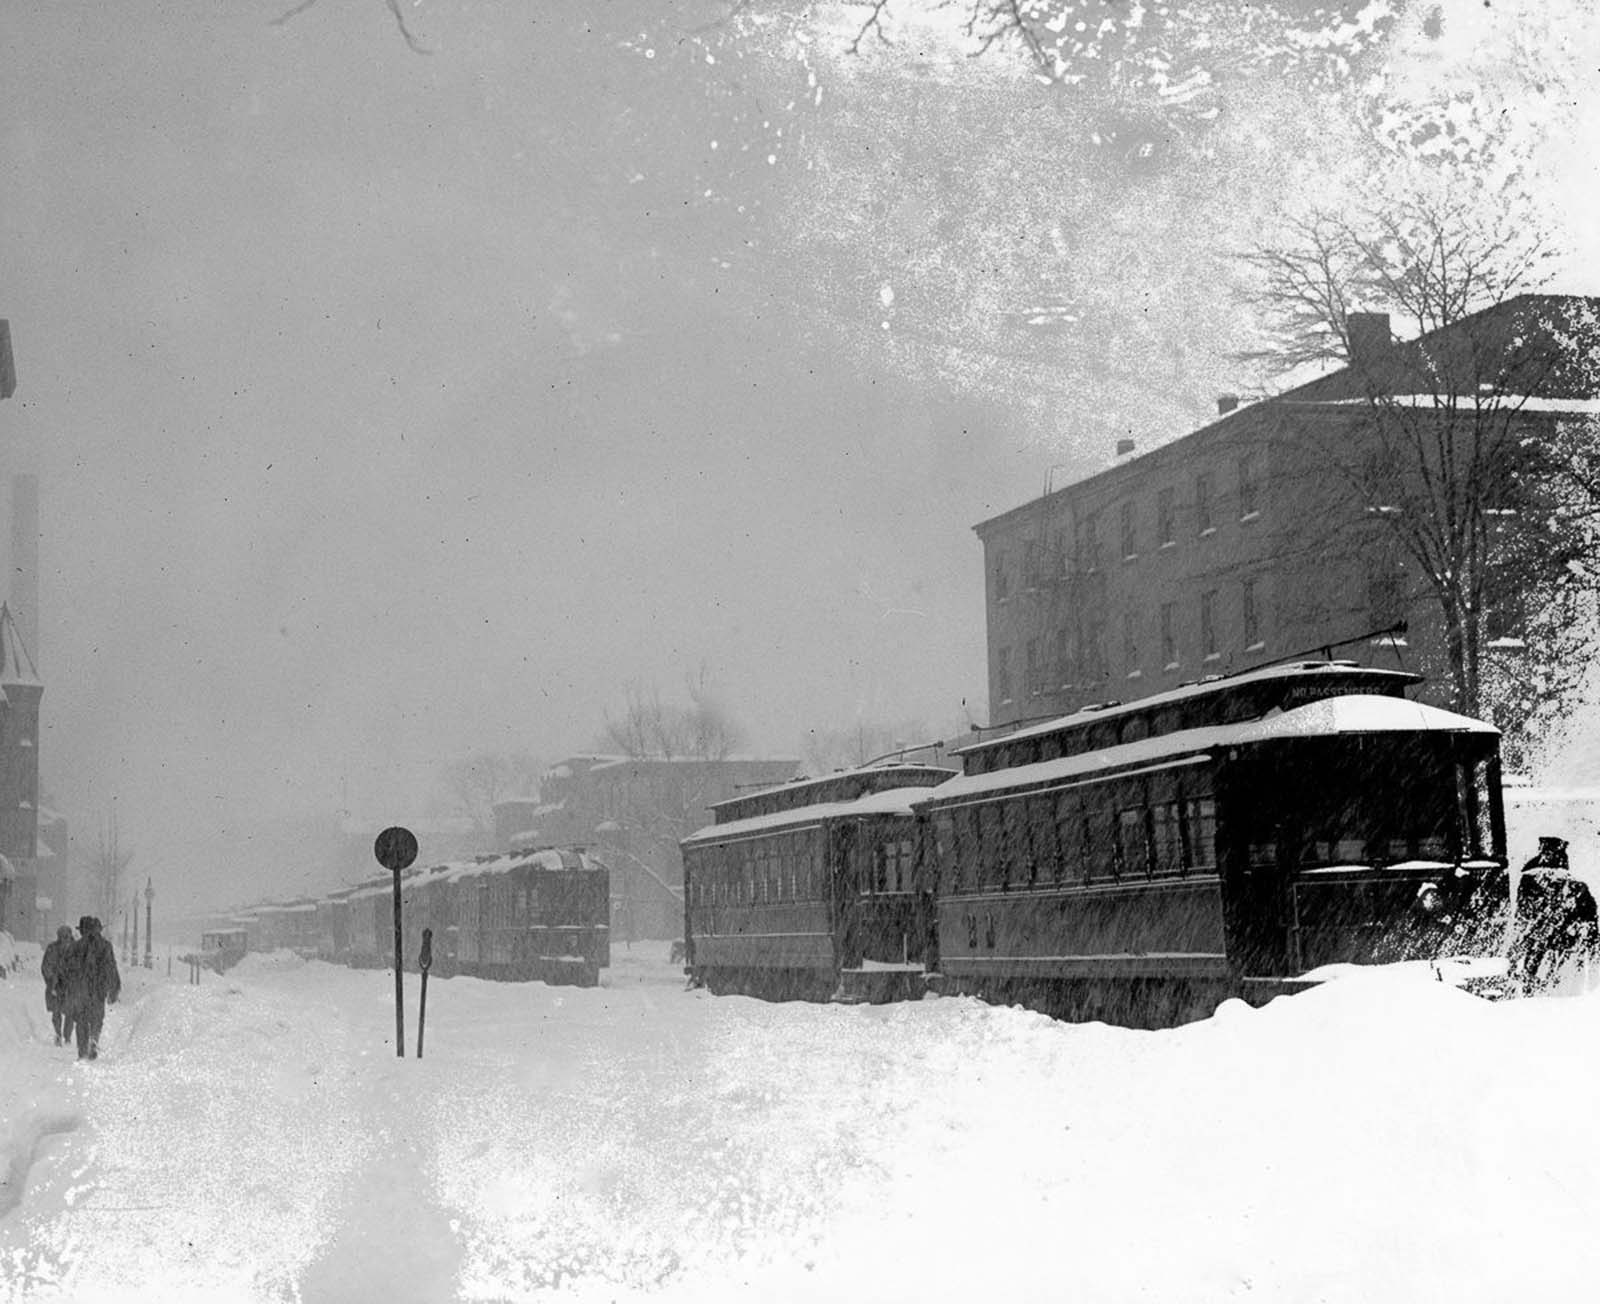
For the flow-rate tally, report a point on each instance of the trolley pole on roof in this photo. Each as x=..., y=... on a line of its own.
x=395, y=849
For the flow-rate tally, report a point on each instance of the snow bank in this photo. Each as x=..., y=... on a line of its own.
x=256, y=1138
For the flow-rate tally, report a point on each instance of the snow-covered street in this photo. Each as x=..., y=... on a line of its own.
x=255, y=1138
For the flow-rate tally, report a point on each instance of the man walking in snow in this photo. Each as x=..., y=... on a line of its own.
x=1556, y=920
x=92, y=981
x=53, y=969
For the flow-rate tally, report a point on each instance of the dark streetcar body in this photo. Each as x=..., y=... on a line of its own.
x=796, y=891
x=286, y=926
x=1141, y=863
x=540, y=915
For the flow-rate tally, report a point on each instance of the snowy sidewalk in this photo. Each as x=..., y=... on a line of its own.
x=256, y=1139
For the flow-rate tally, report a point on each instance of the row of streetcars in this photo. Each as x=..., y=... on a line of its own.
x=524, y=915
x=1137, y=863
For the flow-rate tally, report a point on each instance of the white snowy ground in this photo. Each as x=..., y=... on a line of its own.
x=255, y=1138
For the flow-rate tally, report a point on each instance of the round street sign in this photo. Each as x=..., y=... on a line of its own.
x=395, y=848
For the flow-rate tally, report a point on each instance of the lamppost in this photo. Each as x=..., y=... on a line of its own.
x=124, y=937
x=149, y=896
x=133, y=955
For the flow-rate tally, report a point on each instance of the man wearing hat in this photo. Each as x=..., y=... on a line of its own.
x=52, y=968
x=1556, y=920
x=92, y=981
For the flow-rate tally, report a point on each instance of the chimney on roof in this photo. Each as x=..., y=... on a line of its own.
x=8, y=365
x=1226, y=403
x=1368, y=333
x=1124, y=448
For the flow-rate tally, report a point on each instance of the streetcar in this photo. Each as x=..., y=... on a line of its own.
x=1140, y=863
x=541, y=914
x=809, y=890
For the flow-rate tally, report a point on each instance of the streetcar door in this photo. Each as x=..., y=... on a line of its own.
x=843, y=909
x=1258, y=860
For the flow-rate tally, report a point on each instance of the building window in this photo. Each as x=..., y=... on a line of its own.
x=1208, y=625
x=1002, y=577
x=1504, y=621
x=1130, y=541
x=1249, y=485
x=1169, y=637
x=1130, y=645
x=1385, y=595
x=1030, y=564
x=1035, y=667
x=1380, y=478
x=1251, y=615
x=1089, y=546
x=1202, y=503
x=1166, y=525
x=1002, y=674
x=1092, y=654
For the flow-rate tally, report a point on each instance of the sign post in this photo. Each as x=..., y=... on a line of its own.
x=424, y=963
x=395, y=849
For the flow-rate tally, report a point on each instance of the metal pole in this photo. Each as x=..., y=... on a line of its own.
x=399, y=985
x=133, y=955
x=149, y=897
x=424, y=963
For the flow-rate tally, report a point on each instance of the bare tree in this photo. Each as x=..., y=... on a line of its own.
x=1484, y=502
x=107, y=869
x=825, y=750
x=472, y=785
x=650, y=728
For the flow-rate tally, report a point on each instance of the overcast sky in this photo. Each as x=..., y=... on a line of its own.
x=389, y=407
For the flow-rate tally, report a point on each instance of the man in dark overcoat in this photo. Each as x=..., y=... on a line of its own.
x=92, y=981
x=1555, y=921
x=53, y=969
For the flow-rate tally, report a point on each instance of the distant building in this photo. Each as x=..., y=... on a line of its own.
x=633, y=811
x=20, y=691
x=55, y=898
x=1232, y=546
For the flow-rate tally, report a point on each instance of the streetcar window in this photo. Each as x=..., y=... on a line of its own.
x=1018, y=850
x=992, y=839
x=1042, y=834
x=1168, y=832
x=879, y=881
x=969, y=849
x=944, y=849
x=1132, y=852
x=1069, y=838
x=1100, y=860
x=1200, y=827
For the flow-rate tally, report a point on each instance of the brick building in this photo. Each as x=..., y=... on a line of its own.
x=20, y=691
x=1248, y=540
x=633, y=811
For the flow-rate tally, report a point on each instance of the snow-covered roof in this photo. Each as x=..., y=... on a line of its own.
x=546, y=858
x=1266, y=674
x=1352, y=713
x=891, y=801
x=16, y=666
x=1508, y=403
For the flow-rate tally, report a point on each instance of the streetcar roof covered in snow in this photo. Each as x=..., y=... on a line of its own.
x=1329, y=717
x=550, y=859
x=1331, y=673
x=842, y=786
x=892, y=801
